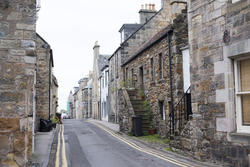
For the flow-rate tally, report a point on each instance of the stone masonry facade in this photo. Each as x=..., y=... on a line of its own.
x=44, y=83
x=218, y=35
x=156, y=86
x=17, y=62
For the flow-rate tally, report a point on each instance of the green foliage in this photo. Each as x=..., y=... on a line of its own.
x=146, y=105
x=141, y=93
x=113, y=89
x=169, y=149
x=127, y=83
x=54, y=120
x=155, y=139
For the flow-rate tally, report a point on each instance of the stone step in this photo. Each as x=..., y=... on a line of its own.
x=137, y=102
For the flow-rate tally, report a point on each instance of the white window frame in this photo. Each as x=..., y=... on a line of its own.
x=239, y=122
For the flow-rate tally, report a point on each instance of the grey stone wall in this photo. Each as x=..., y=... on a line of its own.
x=17, y=59
x=158, y=88
x=114, y=84
x=214, y=28
x=44, y=81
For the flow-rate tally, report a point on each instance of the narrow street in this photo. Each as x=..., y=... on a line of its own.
x=83, y=144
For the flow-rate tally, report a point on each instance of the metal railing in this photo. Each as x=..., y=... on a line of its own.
x=179, y=115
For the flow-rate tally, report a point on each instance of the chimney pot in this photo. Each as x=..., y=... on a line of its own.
x=146, y=6
x=150, y=6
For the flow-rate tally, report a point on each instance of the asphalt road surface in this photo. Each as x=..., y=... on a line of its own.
x=83, y=144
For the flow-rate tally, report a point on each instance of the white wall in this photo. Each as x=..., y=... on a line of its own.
x=104, y=94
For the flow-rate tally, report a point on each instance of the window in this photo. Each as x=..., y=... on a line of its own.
x=162, y=110
x=106, y=78
x=160, y=66
x=102, y=82
x=126, y=74
x=152, y=68
x=116, y=66
x=132, y=76
x=242, y=86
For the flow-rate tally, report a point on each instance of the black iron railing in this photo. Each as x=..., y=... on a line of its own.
x=179, y=115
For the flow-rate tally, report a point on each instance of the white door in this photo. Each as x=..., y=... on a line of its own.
x=186, y=69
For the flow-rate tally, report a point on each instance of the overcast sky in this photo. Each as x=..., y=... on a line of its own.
x=71, y=27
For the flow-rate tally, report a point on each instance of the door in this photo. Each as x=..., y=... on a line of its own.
x=141, y=78
x=186, y=70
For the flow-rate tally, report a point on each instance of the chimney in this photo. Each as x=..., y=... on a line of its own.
x=147, y=12
x=153, y=7
x=177, y=7
x=96, y=52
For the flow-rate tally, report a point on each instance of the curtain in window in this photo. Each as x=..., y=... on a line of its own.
x=245, y=86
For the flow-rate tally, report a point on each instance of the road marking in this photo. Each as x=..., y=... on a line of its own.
x=58, y=147
x=64, y=159
x=150, y=152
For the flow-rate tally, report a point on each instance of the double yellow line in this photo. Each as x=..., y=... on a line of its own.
x=147, y=151
x=64, y=159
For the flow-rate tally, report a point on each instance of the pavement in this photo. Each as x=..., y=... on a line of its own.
x=43, y=143
x=112, y=126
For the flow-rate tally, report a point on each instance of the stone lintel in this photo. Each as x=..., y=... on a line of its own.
x=237, y=49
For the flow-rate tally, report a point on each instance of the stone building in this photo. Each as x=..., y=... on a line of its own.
x=75, y=101
x=17, y=66
x=54, y=96
x=219, y=48
x=153, y=85
x=70, y=104
x=104, y=92
x=44, y=64
x=89, y=96
x=99, y=60
x=115, y=79
x=81, y=99
x=150, y=26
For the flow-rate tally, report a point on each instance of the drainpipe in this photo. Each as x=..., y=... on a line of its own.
x=34, y=111
x=50, y=66
x=170, y=33
x=100, y=105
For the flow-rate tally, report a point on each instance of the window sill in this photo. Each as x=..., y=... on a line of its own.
x=240, y=137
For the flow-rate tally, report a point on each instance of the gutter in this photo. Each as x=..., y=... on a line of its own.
x=50, y=66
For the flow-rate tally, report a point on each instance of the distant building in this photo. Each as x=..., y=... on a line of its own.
x=75, y=102
x=70, y=104
x=104, y=92
x=45, y=82
x=54, y=96
x=99, y=60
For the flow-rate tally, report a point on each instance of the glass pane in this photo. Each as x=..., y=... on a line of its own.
x=245, y=75
x=245, y=109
